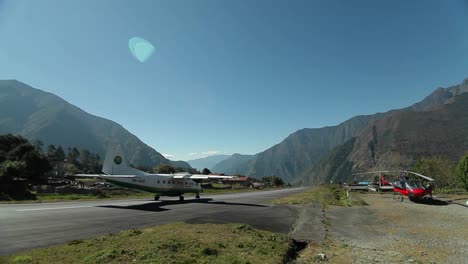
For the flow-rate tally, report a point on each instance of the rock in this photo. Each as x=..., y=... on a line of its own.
x=322, y=256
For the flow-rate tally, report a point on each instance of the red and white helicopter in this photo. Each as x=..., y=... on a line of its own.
x=408, y=184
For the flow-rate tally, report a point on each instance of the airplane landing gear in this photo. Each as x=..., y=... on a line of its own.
x=197, y=197
x=181, y=198
x=156, y=198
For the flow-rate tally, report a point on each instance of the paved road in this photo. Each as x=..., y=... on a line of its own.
x=27, y=226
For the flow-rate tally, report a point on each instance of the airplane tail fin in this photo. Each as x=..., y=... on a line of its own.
x=116, y=164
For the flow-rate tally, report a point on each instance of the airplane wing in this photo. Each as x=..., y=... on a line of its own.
x=206, y=177
x=199, y=176
x=103, y=176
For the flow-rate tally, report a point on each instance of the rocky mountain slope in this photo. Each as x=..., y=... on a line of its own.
x=233, y=165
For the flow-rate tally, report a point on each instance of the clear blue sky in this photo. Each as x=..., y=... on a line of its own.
x=234, y=76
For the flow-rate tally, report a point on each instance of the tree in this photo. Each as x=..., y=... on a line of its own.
x=206, y=171
x=51, y=151
x=70, y=169
x=143, y=168
x=438, y=168
x=96, y=164
x=9, y=142
x=272, y=180
x=36, y=166
x=60, y=153
x=9, y=172
x=73, y=155
x=85, y=158
x=277, y=181
x=165, y=168
x=20, y=164
x=461, y=171
x=11, y=169
x=193, y=171
x=38, y=145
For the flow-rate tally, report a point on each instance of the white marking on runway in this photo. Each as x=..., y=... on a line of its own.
x=78, y=206
x=51, y=208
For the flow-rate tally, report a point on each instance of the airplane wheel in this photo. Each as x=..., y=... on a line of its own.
x=156, y=198
x=181, y=198
x=197, y=197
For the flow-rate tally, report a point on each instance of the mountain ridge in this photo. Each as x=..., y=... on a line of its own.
x=207, y=162
x=229, y=165
x=397, y=141
x=40, y=115
x=302, y=149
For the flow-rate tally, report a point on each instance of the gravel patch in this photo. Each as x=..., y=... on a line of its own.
x=389, y=231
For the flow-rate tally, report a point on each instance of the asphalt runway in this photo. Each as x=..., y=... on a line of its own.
x=27, y=226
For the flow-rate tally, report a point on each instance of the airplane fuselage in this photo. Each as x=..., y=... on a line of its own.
x=156, y=183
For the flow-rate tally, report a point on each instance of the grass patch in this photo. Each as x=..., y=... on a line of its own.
x=335, y=252
x=172, y=243
x=325, y=195
x=22, y=259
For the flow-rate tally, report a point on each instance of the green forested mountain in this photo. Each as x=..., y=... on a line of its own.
x=38, y=115
x=303, y=150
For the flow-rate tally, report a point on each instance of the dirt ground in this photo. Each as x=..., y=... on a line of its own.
x=390, y=231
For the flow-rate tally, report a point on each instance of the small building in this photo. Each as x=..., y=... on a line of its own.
x=241, y=180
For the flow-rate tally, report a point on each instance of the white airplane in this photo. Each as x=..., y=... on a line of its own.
x=119, y=173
